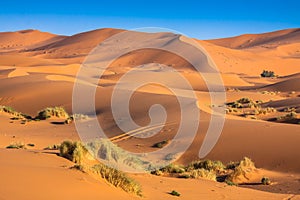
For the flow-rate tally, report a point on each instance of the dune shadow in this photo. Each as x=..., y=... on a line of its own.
x=241, y=184
x=58, y=123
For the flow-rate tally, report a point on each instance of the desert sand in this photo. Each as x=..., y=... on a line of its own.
x=38, y=70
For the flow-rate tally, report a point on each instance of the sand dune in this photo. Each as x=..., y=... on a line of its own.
x=266, y=40
x=20, y=40
x=75, y=46
x=38, y=70
x=292, y=84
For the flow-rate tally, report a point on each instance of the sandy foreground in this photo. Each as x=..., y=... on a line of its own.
x=38, y=70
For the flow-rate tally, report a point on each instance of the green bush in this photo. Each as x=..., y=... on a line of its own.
x=161, y=144
x=267, y=73
x=172, y=168
x=73, y=151
x=266, y=181
x=76, y=152
x=209, y=165
x=11, y=111
x=52, y=112
x=230, y=183
x=289, y=116
x=16, y=145
x=175, y=193
x=203, y=173
x=52, y=147
x=232, y=165
x=117, y=178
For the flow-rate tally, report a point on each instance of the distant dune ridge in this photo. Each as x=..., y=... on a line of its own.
x=278, y=51
x=267, y=40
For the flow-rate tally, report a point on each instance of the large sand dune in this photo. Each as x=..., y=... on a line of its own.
x=38, y=70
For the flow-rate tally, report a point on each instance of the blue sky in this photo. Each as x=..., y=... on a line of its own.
x=200, y=19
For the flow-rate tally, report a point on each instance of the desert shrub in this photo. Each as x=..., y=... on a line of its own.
x=270, y=92
x=251, y=116
x=73, y=151
x=209, y=165
x=266, y=181
x=265, y=111
x=267, y=73
x=289, y=110
x=161, y=144
x=175, y=193
x=288, y=117
x=73, y=117
x=185, y=175
x=232, y=89
x=16, y=145
x=11, y=111
x=52, y=147
x=76, y=152
x=232, y=165
x=117, y=178
x=31, y=145
x=7, y=109
x=203, y=173
x=229, y=110
x=244, y=100
x=234, y=105
x=172, y=168
x=157, y=172
x=52, y=112
x=243, y=103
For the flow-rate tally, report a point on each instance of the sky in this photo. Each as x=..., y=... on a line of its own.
x=199, y=19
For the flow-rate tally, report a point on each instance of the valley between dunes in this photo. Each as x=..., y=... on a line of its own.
x=38, y=70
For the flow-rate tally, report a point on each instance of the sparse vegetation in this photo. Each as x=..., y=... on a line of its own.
x=52, y=112
x=16, y=145
x=244, y=103
x=232, y=89
x=117, y=178
x=73, y=151
x=16, y=115
x=172, y=168
x=216, y=166
x=44, y=114
x=175, y=193
x=78, y=153
x=206, y=169
x=266, y=181
x=270, y=92
x=230, y=183
x=251, y=109
x=289, y=118
x=289, y=110
x=203, y=173
x=267, y=73
x=232, y=174
x=265, y=111
x=52, y=147
x=73, y=117
x=161, y=144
